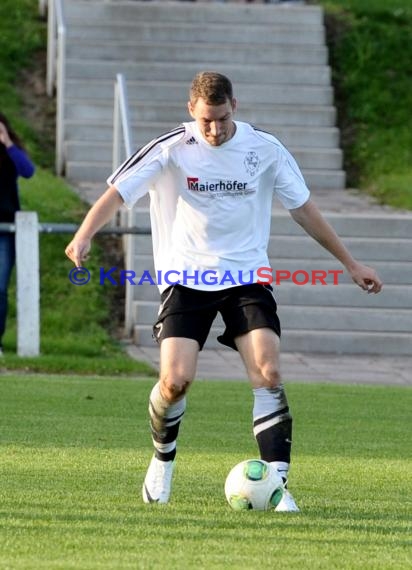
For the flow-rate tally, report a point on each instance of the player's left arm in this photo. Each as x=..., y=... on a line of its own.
x=312, y=221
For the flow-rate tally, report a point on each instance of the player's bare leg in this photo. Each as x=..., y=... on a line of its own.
x=167, y=404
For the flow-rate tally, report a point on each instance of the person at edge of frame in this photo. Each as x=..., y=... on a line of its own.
x=14, y=162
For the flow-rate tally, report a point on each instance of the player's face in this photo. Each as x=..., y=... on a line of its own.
x=214, y=121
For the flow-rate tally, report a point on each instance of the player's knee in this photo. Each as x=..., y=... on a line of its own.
x=270, y=376
x=174, y=386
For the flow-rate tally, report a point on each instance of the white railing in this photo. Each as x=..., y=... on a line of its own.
x=122, y=148
x=27, y=284
x=27, y=229
x=56, y=70
x=122, y=135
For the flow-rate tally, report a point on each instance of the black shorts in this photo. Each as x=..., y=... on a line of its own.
x=189, y=313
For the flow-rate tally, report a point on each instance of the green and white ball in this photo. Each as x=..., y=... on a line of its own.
x=253, y=484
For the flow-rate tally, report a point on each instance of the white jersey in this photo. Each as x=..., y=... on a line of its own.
x=211, y=206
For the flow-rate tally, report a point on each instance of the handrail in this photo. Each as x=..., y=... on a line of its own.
x=56, y=71
x=66, y=228
x=121, y=122
x=121, y=125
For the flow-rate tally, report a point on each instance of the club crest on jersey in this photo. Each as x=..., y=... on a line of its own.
x=251, y=163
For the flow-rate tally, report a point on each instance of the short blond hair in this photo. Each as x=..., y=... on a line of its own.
x=211, y=86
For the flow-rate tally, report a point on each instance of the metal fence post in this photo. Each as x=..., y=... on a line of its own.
x=61, y=87
x=51, y=49
x=27, y=283
x=121, y=124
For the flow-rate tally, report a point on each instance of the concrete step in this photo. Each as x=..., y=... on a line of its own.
x=346, y=319
x=183, y=32
x=142, y=133
x=301, y=247
x=372, y=249
x=391, y=272
x=342, y=295
x=325, y=342
x=225, y=13
x=338, y=342
x=306, y=157
x=392, y=296
x=84, y=113
x=313, y=318
x=355, y=225
x=369, y=225
x=177, y=92
x=83, y=172
x=299, y=75
x=341, y=342
x=121, y=50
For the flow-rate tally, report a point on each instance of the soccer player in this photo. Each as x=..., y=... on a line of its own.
x=211, y=184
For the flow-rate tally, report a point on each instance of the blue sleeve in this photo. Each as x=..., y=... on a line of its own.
x=22, y=162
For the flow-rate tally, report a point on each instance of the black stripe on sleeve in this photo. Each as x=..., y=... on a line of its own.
x=142, y=152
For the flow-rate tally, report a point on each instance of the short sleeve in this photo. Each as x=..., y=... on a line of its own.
x=290, y=186
x=136, y=175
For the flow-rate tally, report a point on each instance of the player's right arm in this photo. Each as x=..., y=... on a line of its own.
x=99, y=215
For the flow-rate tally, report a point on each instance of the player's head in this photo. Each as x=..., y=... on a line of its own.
x=212, y=106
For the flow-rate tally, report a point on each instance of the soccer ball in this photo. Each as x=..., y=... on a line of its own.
x=254, y=484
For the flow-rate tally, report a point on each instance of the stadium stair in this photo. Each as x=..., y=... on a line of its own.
x=278, y=61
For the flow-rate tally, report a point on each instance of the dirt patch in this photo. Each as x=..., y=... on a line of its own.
x=336, y=27
x=113, y=257
x=39, y=111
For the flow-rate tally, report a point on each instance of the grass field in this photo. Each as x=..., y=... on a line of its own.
x=74, y=452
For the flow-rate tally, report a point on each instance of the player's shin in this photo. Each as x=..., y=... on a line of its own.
x=165, y=422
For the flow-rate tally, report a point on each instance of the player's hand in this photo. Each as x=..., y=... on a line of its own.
x=78, y=250
x=366, y=278
x=4, y=135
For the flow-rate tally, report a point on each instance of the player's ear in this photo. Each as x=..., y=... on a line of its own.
x=190, y=109
x=234, y=104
